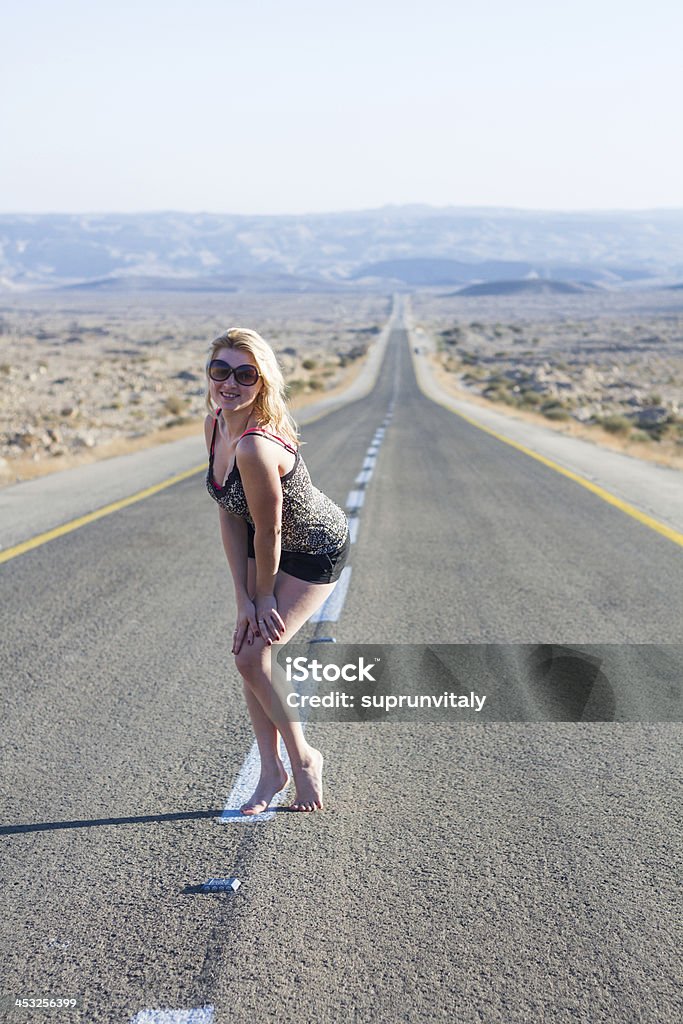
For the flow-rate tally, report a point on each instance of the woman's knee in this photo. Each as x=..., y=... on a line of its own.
x=249, y=659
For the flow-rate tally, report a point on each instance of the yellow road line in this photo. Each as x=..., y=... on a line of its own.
x=74, y=524
x=611, y=499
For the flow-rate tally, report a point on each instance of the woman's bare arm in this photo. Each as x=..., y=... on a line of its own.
x=259, y=470
x=234, y=537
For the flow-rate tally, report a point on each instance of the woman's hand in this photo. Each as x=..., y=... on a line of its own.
x=269, y=622
x=246, y=628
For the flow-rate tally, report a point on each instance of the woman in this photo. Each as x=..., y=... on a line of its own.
x=285, y=541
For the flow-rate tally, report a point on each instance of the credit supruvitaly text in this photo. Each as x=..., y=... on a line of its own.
x=388, y=702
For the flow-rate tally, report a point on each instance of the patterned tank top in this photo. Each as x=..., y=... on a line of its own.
x=311, y=522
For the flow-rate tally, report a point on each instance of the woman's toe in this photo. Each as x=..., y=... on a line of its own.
x=252, y=808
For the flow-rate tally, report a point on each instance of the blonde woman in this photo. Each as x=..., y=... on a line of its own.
x=286, y=543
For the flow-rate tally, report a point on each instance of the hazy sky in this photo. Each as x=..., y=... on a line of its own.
x=293, y=106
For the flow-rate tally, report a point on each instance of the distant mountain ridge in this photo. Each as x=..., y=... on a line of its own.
x=531, y=286
x=391, y=246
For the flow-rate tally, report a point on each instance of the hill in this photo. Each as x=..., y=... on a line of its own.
x=533, y=286
x=392, y=246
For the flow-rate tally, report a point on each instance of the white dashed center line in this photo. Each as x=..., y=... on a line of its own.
x=246, y=781
x=198, y=1015
x=355, y=500
x=244, y=786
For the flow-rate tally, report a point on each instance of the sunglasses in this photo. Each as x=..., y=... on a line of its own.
x=247, y=375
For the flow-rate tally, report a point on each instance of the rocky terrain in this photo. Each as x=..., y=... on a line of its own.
x=98, y=375
x=93, y=375
x=606, y=367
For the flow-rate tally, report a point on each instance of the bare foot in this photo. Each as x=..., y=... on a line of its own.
x=309, y=784
x=269, y=784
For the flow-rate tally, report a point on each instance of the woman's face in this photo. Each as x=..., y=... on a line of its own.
x=228, y=394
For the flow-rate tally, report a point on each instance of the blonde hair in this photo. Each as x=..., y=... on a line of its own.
x=270, y=407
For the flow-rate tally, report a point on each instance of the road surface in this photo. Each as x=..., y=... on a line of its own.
x=496, y=872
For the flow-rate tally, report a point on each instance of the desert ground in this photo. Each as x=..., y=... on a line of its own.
x=605, y=366
x=85, y=376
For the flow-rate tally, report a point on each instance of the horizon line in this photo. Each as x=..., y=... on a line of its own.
x=578, y=211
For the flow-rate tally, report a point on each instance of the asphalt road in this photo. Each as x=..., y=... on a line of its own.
x=496, y=872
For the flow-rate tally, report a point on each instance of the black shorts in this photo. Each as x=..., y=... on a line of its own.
x=312, y=568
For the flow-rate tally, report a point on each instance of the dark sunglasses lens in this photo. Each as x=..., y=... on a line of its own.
x=246, y=375
x=218, y=370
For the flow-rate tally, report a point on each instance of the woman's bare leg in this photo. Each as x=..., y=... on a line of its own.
x=296, y=601
x=273, y=777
